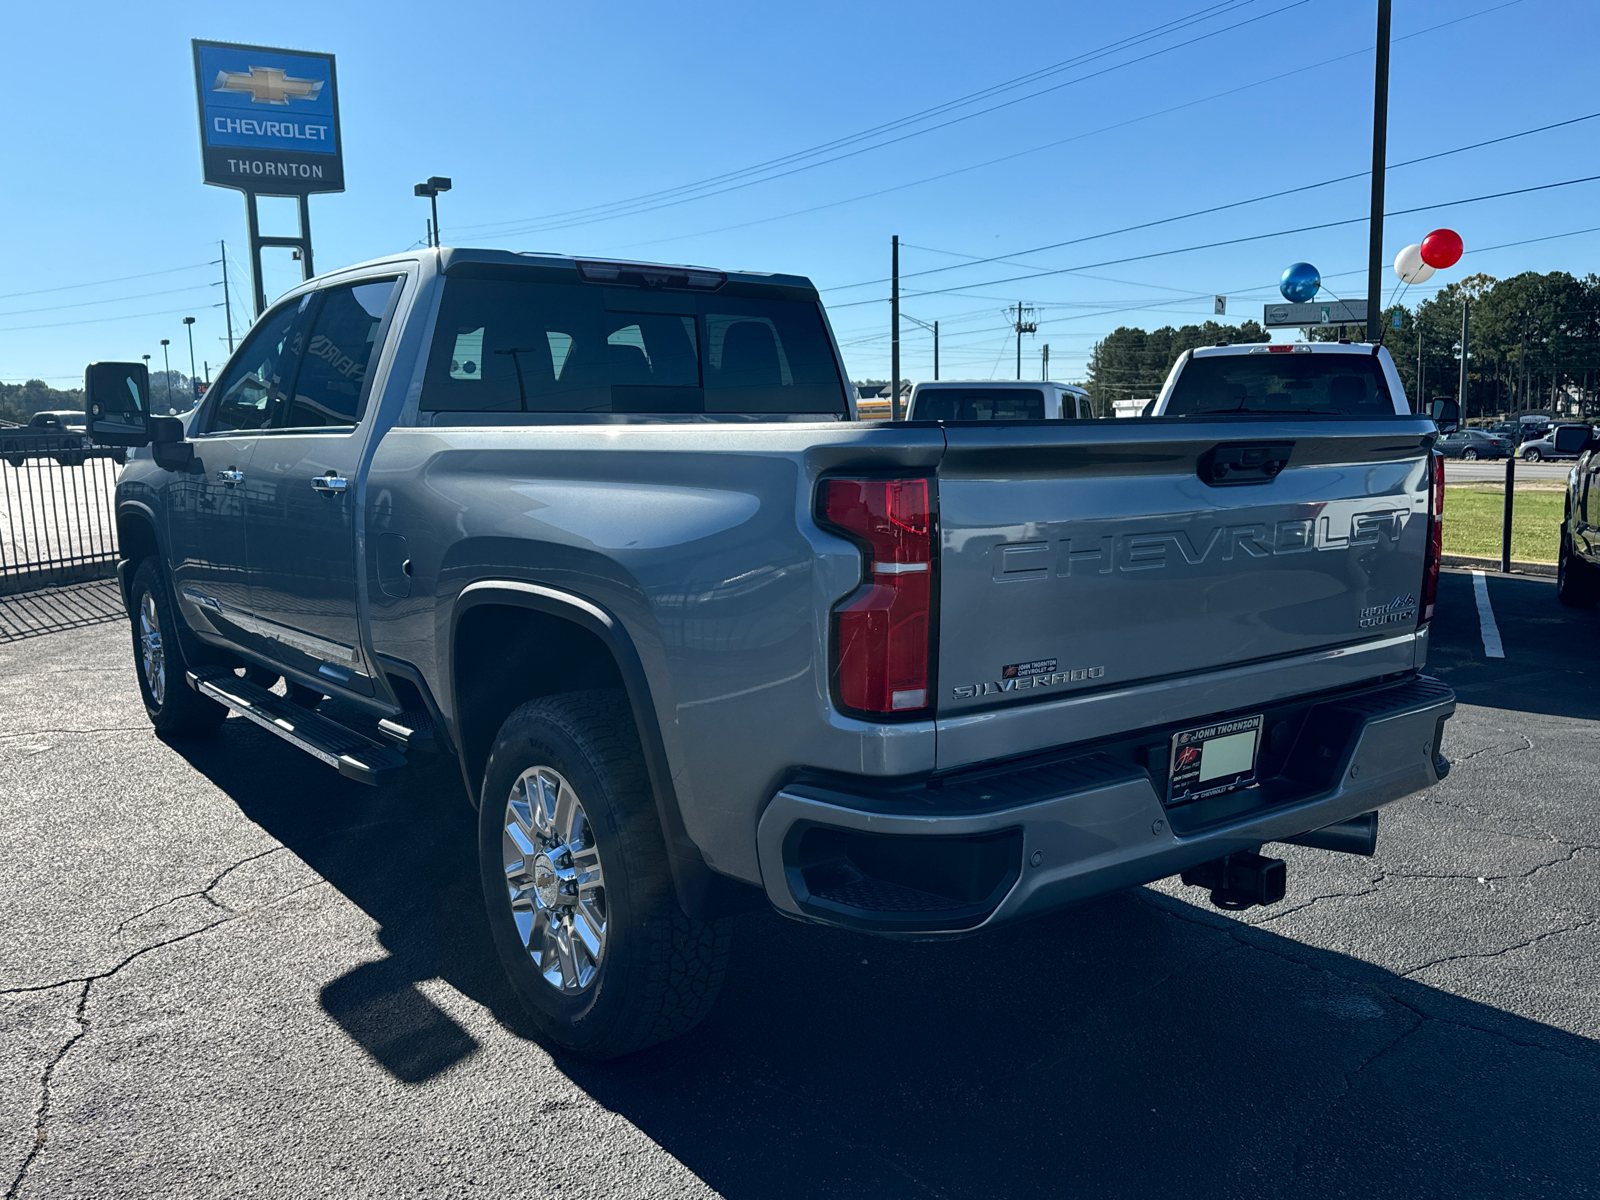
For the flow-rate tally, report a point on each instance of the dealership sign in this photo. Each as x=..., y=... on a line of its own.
x=269, y=119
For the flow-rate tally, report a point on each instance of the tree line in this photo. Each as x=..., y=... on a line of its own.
x=170, y=392
x=1533, y=346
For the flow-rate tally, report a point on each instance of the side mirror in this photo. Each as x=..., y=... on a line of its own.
x=1574, y=439
x=116, y=399
x=1446, y=415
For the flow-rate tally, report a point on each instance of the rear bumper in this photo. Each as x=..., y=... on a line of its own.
x=968, y=852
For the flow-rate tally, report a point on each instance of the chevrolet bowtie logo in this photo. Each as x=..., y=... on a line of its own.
x=267, y=85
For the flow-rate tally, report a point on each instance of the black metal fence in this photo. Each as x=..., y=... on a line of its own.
x=57, y=515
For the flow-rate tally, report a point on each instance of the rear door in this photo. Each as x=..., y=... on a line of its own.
x=1114, y=553
x=303, y=506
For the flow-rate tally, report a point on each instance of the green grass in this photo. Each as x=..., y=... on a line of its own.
x=1473, y=514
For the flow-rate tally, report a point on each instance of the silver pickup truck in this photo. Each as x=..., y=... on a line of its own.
x=609, y=535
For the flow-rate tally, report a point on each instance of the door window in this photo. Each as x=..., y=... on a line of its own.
x=257, y=379
x=331, y=387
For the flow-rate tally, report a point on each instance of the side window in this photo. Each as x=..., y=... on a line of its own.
x=254, y=384
x=329, y=390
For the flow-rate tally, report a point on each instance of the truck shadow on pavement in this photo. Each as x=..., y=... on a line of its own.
x=1133, y=1046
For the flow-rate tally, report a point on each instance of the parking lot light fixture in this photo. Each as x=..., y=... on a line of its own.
x=194, y=386
x=431, y=189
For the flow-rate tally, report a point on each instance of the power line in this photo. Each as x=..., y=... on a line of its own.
x=1255, y=237
x=96, y=320
x=888, y=126
x=544, y=225
x=22, y=312
x=801, y=212
x=67, y=287
x=1216, y=208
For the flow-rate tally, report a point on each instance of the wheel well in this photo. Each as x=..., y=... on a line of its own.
x=136, y=541
x=505, y=656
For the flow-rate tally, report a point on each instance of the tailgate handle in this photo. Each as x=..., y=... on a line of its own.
x=1234, y=464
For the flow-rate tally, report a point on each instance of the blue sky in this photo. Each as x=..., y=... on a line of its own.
x=538, y=110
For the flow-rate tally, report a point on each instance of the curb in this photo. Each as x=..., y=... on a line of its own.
x=1493, y=564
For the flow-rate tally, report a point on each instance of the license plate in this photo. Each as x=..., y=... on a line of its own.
x=1213, y=759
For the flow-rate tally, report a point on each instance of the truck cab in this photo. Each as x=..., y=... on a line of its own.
x=992, y=400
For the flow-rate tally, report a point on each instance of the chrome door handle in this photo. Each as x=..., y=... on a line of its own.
x=231, y=476
x=329, y=483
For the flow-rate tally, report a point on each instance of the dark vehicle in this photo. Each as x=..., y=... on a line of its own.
x=62, y=436
x=1578, y=566
x=1546, y=447
x=610, y=536
x=1470, y=444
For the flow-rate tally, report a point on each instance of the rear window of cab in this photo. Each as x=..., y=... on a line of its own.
x=1278, y=384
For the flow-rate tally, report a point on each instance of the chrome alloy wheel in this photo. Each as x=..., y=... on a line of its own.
x=152, y=658
x=553, y=879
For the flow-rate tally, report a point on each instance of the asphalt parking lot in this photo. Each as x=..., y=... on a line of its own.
x=225, y=970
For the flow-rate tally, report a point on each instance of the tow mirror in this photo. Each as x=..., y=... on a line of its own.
x=1574, y=439
x=116, y=397
x=1446, y=415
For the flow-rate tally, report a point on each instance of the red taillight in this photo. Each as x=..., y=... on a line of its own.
x=1430, y=576
x=882, y=632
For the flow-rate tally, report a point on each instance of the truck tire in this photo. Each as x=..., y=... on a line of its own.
x=1577, y=581
x=16, y=460
x=174, y=707
x=580, y=897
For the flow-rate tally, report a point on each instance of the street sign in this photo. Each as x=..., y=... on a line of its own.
x=1317, y=312
x=269, y=119
x=1219, y=306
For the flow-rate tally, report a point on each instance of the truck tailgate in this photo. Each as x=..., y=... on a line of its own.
x=1094, y=555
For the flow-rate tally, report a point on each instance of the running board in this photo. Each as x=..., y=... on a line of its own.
x=352, y=754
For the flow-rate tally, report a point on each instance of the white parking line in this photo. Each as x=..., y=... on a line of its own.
x=1491, y=632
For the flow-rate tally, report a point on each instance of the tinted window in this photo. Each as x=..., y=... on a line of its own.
x=514, y=346
x=329, y=389
x=1334, y=384
x=249, y=392
x=979, y=404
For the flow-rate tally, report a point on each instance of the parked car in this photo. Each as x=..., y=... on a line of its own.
x=61, y=435
x=997, y=400
x=1578, y=562
x=1545, y=447
x=1472, y=443
x=608, y=535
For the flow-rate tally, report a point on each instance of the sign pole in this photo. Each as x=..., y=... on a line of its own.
x=255, y=253
x=1380, y=133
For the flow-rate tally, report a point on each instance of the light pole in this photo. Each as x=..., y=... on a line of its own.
x=431, y=189
x=166, y=373
x=194, y=380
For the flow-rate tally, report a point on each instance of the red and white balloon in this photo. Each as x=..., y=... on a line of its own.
x=1440, y=249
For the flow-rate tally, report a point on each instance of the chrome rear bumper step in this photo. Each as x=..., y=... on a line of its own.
x=352, y=754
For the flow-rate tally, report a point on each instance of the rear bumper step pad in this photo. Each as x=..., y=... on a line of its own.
x=352, y=754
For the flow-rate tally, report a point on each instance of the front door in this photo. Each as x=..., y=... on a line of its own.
x=207, y=502
x=304, y=507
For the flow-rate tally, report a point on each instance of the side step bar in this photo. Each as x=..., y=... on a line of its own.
x=352, y=754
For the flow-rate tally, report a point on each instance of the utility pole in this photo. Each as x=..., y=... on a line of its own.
x=1380, y=134
x=227, y=304
x=1461, y=389
x=935, y=330
x=894, y=327
x=1022, y=327
x=1044, y=366
x=1421, y=405
x=194, y=380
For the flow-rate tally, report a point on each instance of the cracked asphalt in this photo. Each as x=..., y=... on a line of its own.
x=225, y=970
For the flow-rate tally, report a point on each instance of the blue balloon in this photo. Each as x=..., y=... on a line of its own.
x=1300, y=283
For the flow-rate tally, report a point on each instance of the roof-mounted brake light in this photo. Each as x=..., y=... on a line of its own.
x=1296, y=348
x=636, y=274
